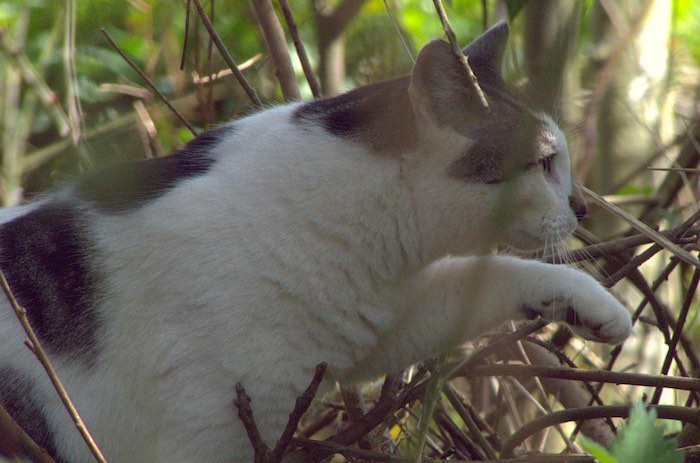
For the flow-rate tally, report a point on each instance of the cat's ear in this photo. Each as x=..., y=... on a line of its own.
x=489, y=48
x=440, y=89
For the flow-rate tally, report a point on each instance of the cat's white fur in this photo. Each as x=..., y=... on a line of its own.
x=299, y=248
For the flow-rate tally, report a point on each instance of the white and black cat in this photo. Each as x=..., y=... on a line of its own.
x=352, y=230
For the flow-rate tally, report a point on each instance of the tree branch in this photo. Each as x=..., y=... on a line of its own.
x=277, y=44
x=53, y=377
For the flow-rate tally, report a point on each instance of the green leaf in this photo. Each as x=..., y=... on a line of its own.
x=597, y=450
x=640, y=440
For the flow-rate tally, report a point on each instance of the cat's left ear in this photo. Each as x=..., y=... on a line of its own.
x=440, y=89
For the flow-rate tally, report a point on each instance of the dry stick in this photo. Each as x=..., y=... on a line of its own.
x=637, y=379
x=684, y=414
x=457, y=51
x=301, y=50
x=638, y=260
x=277, y=44
x=148, y=81
x=682, y=254
x=46, y=363
x=16, y=437
x=463, y=413
x=679, y=235
x=677, y=332
x=187, y=35
x=226, y=55
x=245, y=413
x=302, y=404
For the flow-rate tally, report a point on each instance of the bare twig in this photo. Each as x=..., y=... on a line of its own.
x=641, y=227
x=46, y=363
x=15, y=439
x=185, y=40
x=457, y=51
x=688, y=415
x=673, y=382
x=148, y=81
x=301, y=51
x=277, y=44
x=226, y=55
x=690, y=296
x=302, y=404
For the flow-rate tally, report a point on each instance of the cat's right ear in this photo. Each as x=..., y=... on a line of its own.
x=440, y=89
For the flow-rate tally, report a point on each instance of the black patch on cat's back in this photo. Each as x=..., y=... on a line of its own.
x=16, y=396
x=130, y=184
x=44, y=256
x=378, y=115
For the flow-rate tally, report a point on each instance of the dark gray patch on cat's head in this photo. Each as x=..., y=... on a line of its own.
x=44, y=255
x=128, y=185
x=378, y=116
x=16, y=396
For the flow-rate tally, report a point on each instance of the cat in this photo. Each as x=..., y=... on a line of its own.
x=355, y=230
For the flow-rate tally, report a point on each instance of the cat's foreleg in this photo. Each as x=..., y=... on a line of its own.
x=459, y=298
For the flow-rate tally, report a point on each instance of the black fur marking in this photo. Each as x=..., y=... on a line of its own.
x=379, y=115
x=43, y=255
x=529, y=312
x=16, y=396
x=127, y=185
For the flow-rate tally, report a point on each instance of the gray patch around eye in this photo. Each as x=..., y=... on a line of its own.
x=501, y=148
x=44, y=255
x=16, y=396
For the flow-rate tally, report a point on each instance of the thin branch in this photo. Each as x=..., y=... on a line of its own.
x=245, y=413
x=690, y=296
x=148, y=81
x=301, y=51
x=457, y=51
x=641, y=227
x=638, y=379
x=187, y=35
x=688, y=415
x=14, y=439
x=46, y=363
x=302, y=404
x=277, y=44
x=227, y=56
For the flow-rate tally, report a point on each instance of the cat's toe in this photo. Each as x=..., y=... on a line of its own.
x=613, y=331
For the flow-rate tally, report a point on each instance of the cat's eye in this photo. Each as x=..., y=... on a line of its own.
x=545, y=163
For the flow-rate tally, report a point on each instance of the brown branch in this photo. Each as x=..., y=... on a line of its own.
x=187, y=35
x=690, y=296
x=16, y=442
x=684, y=414
x=302, y=404
x=245, y=413
x=301, y=50
x=227, y=56
x=277, y=44
x=643, y=228
x=148, y=81
x=38, y=350
x=457, y=51
x=637, y=379
x=335, y=23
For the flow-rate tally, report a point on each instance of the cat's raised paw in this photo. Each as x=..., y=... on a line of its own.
x=588, y=308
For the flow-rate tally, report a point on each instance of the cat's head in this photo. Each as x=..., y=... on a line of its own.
x=497, y=175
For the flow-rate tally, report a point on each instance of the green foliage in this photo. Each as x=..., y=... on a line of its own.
x=639, y=440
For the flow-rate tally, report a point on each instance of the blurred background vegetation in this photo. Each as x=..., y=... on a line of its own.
x=621, y=76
